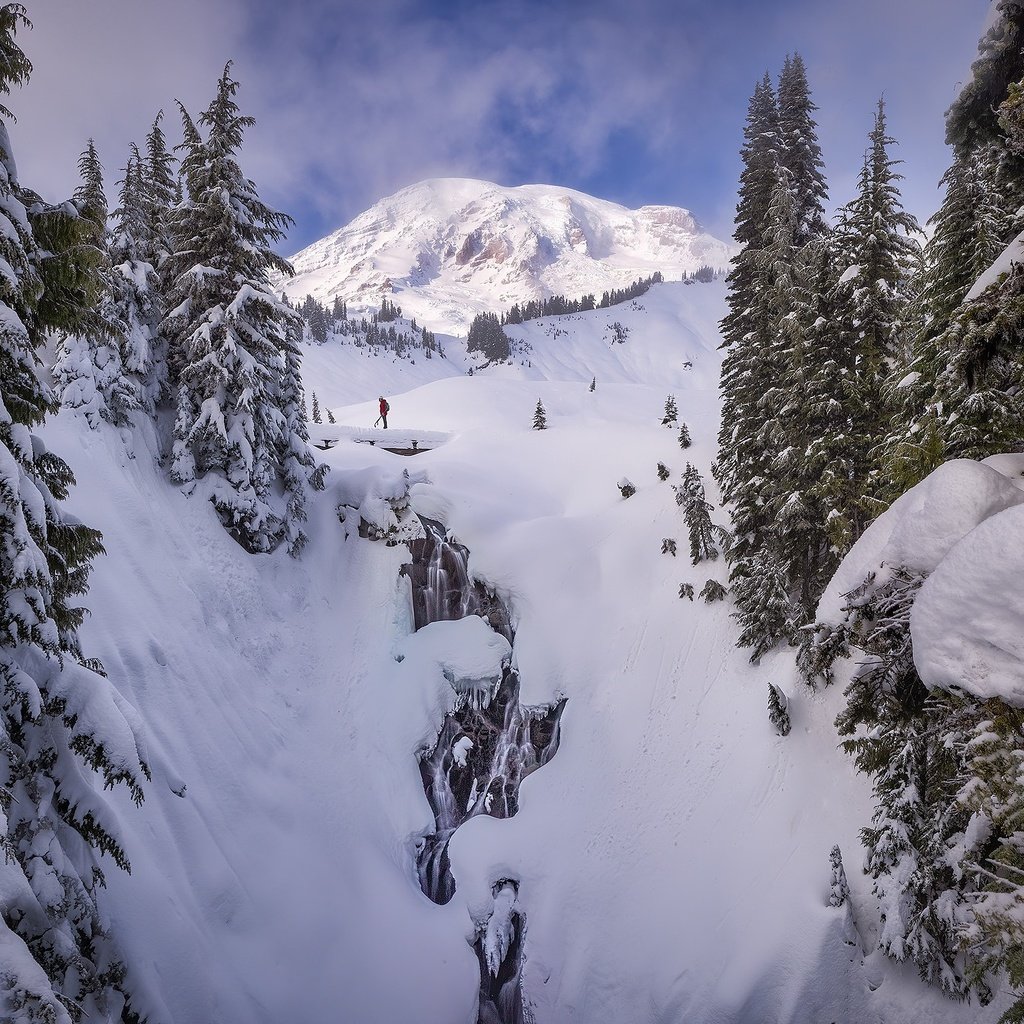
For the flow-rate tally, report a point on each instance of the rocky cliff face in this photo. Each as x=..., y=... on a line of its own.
x=448, y=248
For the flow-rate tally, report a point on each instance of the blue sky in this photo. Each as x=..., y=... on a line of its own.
x=639, y=103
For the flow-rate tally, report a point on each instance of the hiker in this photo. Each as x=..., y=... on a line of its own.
x=384, y=410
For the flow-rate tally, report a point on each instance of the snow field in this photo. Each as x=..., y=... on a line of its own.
x=673, y=856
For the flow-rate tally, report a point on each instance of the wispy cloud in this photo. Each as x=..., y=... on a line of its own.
x=641, y=102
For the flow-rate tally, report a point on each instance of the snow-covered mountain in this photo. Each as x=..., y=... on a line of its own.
x=448, y=248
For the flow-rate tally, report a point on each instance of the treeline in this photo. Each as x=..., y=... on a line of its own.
x=854, y=366
x=323, y=323
x=558, y=305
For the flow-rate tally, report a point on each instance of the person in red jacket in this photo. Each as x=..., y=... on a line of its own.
x=384, y=410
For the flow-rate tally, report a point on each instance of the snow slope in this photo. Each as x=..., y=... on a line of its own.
x=673, y=856
x=448, y=248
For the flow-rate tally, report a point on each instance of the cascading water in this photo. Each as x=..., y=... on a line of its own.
x=482, y=754
x=441, y=587
x=498, y=943
x=486, y=746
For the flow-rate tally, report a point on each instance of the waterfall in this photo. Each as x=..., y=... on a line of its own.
x=498, y=944
x=486, y=746
x=441, y=586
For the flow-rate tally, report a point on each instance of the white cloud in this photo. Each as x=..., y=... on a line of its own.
x=102, y=69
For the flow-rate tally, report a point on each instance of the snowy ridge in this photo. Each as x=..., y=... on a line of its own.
x=448, y=248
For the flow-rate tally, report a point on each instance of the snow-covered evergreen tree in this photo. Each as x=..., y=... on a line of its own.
x=765, y=610
x=994, y=846
x=240, y=416
x=800, y=153
x=928, y=391
x=839, y=889
x=540, y=418
x=745, y=328
x=912, y=745
x=713, y=591
x=162, y=192
x=61, y=720
x=684, y=436
x=316, y=410
x=89, y=373
x=134, y=283
x=879, y=251
x=778, y=710
x=671, y=412
x=697, y=515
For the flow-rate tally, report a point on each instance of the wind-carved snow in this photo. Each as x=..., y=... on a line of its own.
x=448, y=248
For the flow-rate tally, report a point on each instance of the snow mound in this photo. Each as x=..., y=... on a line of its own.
x=921, y=527
x=966, y=621
x=468, y=652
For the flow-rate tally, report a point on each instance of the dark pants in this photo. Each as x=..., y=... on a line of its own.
x=385, y=419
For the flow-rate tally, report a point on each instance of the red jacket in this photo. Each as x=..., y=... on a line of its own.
x=384, y=407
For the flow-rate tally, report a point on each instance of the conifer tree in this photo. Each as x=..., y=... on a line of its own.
x=684, y=436
x=696, y=514
x=994, y=857
x=713, y=591
x=744, y=462
x=161, y=195
x=134, y=283
x=800, y=153
x=839, y=890
x=487, y=338
x=89, y=373
x=540, y=418
x=768, y=468
x=60, y=721
x=593, y=384
x=744, y=329
x=671, y=412
x=778, y=710
x=316, y=410
x=912, y=745
x=240, y=421
x=162, y=192
x=879, y=250
x=928, y=391
x=765, y=610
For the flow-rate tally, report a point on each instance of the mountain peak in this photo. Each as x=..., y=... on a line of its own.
x=447, y=248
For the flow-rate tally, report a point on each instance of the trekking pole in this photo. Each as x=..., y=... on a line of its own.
x=376, y=421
